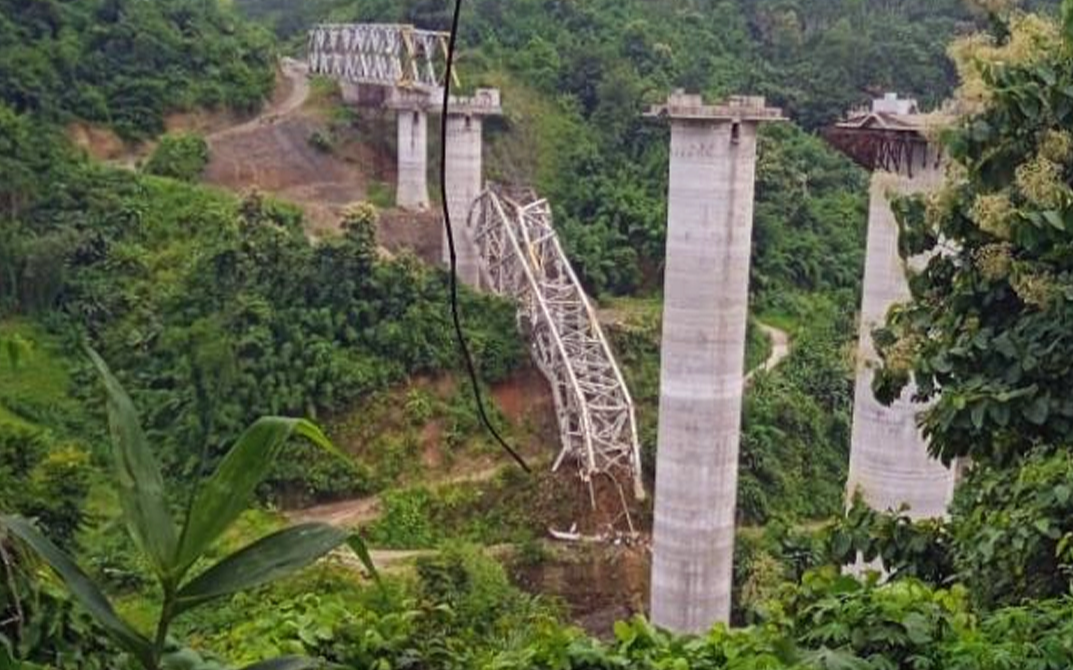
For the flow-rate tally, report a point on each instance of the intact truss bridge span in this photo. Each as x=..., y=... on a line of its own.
x=380, y=54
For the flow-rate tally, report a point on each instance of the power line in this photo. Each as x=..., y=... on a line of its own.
x=459, y=335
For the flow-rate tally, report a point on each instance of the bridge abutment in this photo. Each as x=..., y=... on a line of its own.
x=706, y=294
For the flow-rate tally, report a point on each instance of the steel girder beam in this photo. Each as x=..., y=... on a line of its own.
x=521, y=258
x=379, y=54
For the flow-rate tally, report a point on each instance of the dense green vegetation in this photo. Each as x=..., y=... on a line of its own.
x=174, y=549
x=126, y=63
x=224, y=308
x=215, y=310
x=578, y=76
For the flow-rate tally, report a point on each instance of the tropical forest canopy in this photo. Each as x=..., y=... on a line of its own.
x=147, y=321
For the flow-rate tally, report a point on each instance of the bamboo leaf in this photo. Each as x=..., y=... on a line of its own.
x=357, y=545
x=270, y=558
x=229, y=490
x=84, y=590
x=141, y=486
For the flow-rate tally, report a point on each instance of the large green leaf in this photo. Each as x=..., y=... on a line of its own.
x=141, y=486
x=285, y=663
x=266, y=560
x=357, y=545
x=81, y=587
x=230, y=489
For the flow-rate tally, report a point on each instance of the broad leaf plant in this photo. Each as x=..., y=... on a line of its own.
x=174, y=549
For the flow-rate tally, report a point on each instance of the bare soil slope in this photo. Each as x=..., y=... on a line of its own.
x=273, y=153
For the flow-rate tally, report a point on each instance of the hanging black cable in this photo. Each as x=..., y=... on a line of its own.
x=459, y=335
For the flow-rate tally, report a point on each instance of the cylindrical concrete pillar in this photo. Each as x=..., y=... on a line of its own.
x=889, y=461
x=412, y=189
x=706, y=294
x=463, y=184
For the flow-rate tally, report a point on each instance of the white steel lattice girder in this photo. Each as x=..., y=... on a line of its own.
x=379, y=54
x=521, y=258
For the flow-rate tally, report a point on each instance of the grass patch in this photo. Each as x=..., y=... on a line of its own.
x=380, y=194
x=38, y=390
x=512, y=508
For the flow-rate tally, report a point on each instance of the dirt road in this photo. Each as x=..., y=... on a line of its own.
x=780, y=349
x=294, y=95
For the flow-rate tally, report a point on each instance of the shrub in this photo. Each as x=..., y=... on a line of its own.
x=181, y=156
x=1013, y=531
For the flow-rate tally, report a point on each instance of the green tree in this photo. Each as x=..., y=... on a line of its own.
x=985, y=336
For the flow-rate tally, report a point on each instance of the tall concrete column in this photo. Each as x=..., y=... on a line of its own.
x=463, y=183
x=411, y=190
x=889, y=462
x=463, y=175
x=706, y=295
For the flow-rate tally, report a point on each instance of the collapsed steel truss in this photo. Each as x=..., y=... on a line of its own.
x=521, y=258
x=379, y=54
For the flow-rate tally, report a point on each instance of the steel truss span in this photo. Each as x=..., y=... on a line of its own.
x=379, y=54
x=521, y=258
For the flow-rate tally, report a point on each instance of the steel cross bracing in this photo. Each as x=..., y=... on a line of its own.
x=522, y=259
x=379, y=53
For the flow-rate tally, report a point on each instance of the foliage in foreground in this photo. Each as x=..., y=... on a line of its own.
x=460, y=613
x=174, y=551
x=985, y=335
x=1009, y=538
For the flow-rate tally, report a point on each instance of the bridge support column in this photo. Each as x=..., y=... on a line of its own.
x=463, y=176
x=463, y=183
x=706, y=295
x=411, y=191
x=889, y=461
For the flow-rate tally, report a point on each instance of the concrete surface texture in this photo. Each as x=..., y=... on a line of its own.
x=709, y=239
x=412, y=189
x=889, y=462
x=462, y=174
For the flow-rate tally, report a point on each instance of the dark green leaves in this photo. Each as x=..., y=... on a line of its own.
x=267, y=559
x=81, y=587
x=230, y=489
x=137, y=476
x=224, y=496
x=285, y=663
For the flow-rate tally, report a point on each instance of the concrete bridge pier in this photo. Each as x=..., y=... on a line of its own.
x=411, y=191
x=706, y=294
x=463, y=176
x=889, y=462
